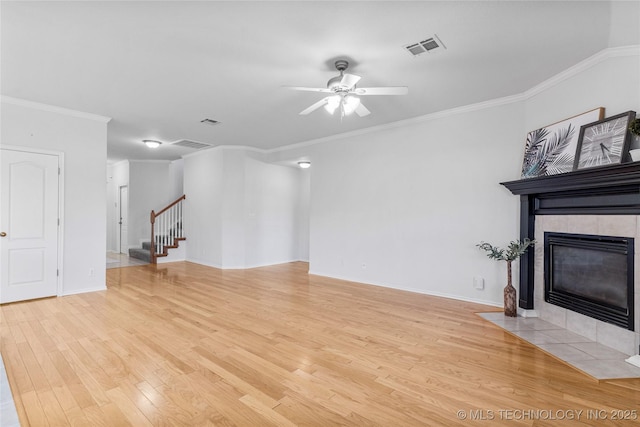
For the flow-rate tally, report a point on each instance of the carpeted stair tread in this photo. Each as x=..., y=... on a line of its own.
x=140, y=253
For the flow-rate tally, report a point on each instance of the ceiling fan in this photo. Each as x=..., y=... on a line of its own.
x=344, y=93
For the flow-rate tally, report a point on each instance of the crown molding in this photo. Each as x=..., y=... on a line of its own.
x=582, y=66
x=53, y=109
x=226, y=148
x=149, y=161
x=118, y=162
x=401, y=123
x=603, y=55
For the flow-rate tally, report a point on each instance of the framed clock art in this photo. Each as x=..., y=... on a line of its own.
x=605, y=142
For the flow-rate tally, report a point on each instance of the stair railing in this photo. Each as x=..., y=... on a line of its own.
x=166, y=228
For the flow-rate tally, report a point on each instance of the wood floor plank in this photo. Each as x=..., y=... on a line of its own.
x=52, y=409
x=168, y=411
x=182, y=344
x=75, y=376
x=131, y=410
x=37, y=375
x=112, y=415
x=18, y=378
x=34, y=409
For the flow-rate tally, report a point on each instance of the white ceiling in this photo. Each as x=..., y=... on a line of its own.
x=159, y=68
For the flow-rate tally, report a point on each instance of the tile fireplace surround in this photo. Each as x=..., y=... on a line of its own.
x=601, y=332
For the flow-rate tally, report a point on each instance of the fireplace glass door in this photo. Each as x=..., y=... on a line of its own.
x=592, y=275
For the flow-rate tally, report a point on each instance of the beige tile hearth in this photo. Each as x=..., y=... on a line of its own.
x=594, y=359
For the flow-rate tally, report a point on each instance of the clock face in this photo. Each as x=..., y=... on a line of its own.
x=603, y=143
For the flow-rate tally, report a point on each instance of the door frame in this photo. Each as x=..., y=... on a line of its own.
x=60, y=155
x=119, y=217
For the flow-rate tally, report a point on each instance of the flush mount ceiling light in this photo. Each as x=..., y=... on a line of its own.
x=151, y=143
x=304, y=165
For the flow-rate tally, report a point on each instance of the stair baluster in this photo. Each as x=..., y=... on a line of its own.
x=166, y=229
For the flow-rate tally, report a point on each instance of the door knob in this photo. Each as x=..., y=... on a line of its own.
x=2, y=234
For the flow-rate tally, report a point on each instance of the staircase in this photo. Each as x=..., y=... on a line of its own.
x=143, y=253
x=166, y=233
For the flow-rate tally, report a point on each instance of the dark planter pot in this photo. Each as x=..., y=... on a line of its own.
x=510, y=301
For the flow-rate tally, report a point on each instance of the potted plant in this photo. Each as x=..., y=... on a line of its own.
x=515, y=249
x=634, y=127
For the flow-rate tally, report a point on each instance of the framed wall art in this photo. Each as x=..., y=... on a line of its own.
x=605, y=142
x=551, y=150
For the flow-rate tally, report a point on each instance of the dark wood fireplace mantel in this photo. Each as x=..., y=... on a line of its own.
x=609, y=190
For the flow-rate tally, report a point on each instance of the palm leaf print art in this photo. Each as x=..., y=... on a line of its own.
x=551, y=150
x=545, y=155
x=560, y=161
x=533, y=164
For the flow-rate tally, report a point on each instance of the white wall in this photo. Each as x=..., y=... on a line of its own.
x=240, y=211
x=83, y=140
x=233, y=212
x=271, y=213
x=404, y=205
x=203, y=177
x=176, y=179
x=149, y=189
x=112, y=243
x=118, y=176
x=304, y=203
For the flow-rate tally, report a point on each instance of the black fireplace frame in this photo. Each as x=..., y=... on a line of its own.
x=620, y=316
x=607, y=190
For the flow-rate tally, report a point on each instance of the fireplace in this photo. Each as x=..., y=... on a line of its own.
x=592, y=275
x=596, y=201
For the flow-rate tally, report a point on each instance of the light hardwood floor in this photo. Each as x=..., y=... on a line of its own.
x=184, y=344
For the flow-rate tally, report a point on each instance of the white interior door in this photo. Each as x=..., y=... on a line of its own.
x=28, y=225
x=124, y=219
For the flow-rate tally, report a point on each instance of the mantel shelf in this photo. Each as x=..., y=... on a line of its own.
x=594, y=178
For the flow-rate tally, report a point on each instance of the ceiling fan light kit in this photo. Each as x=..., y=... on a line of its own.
x=350, y=104
x=345, y=95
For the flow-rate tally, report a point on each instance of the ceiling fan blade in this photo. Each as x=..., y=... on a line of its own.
x=309, y=89
x=392, y=90
x=314, y=107
x=349, y=80
x=362, y=111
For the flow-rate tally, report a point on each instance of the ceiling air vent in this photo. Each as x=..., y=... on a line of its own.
x=427, y=45
x=210, y=122
x=191, y=144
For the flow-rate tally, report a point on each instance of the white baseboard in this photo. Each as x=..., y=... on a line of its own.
x=236, y=267
x=417, y=291
x=634, y=360
x=84, y=291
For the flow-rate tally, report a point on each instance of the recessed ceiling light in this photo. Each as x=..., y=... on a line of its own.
x=304, y=165
x=151, y=143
